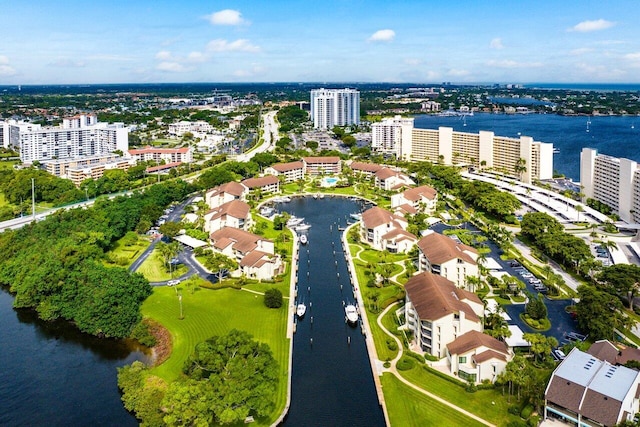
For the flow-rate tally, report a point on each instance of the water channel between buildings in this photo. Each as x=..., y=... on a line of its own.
x=332, y=381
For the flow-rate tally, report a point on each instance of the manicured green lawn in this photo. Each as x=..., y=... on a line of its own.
x=215, y=312
x=153, y=269
x=490, y=405
x=128, y=253
x=408, y=407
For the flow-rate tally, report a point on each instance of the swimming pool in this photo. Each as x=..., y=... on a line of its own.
x=329, y=181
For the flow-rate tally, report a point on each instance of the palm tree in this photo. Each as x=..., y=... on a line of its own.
x=579, y=208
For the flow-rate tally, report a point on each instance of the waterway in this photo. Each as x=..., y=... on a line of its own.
x=332, y=382
x=617, y=136
x=53, y=375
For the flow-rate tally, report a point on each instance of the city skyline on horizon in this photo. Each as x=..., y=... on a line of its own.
x=336, y=41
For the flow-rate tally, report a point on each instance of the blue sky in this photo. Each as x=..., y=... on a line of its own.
x=426, y=41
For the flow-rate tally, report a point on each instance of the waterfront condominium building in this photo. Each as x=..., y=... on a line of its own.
x=522, y=158
x=77, y=136
x=335, y=107
x=387, y=135
x=613, y=181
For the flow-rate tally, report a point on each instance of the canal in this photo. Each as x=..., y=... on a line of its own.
x=332, y=382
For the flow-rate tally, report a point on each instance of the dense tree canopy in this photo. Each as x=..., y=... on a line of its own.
x=599, y=313
x=623, y=280
x=55, y=266
x=229, y=378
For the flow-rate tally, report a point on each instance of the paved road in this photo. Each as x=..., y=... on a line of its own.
x=270, y=136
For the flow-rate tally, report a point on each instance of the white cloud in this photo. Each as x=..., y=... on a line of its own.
x=172, y=67
x=240, y=45
x=496, y=43
x=457, y=73
x=67, y=63
x=382, y=36
x=227, y=17
x=580, y=51
x=5, y=68
x=588, y=26
x=164, y=55
x=412, y=61
x=196, y=57
x=508, y=63
x=635, y=56
x=256, y=70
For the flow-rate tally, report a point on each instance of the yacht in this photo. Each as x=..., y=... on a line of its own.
x=293, y=221
x=352, y=313
x=303, y=239
x=302, y=227
x=301, y=309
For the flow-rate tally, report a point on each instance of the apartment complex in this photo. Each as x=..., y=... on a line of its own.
x=77, y=136
x=169, y=155
x=335, y=107
x=613, y=181
x=87, y=167
x=387, y=135
x=522, y=158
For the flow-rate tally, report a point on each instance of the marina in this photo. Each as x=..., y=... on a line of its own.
x=327, y=349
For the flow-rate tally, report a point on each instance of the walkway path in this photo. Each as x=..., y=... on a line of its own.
x=393, y=370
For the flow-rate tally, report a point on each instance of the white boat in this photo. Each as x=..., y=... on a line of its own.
x=301, y=309
x=302, y=227
x=267, y=211
x=303, y=239
x=356, y=216
x=293, y=221
x=285, y=199
x=315, y=196
x=352, y=313
x=321, y=196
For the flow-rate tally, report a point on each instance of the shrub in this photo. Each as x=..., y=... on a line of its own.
x=526, y=412
x=534, y=421
x=405, y=363
x=514, y=410
x=517, y=423
x=273, y=298
x=415, y=356
x=142, y=333
x=431, y=357
x=471, y=387
x=387, y=364
x=392, y=344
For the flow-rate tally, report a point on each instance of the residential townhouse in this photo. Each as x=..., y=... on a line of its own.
x=442, y=255
x=386, y=231
x=477, y=357
x=587, y=391
x=266, y=184
x=388, y=179
x=328, y=165
x=234, y=214
x=224, y=193
x=438, y=312
x=421, y=199
x=366, y=169
x=292, y=171
x=255, y=254
x=168, y=155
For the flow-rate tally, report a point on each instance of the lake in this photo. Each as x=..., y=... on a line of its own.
x=53, y=375
x=617, y=136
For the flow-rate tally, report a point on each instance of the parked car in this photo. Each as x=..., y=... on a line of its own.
x=559, y=354
x=173, y=282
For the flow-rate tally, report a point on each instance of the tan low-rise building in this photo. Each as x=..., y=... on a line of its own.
x=327, y=165
x=234, y=214
x=388, y=179
x=266, y=184
x=292, y=171
x=442, y=255
x=438, y=312
x=224, y=193
x=386, y=231
x=476, y=357
x=422, y=199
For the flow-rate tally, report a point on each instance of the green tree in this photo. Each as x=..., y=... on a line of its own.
x=535, y=307
x=273, y=298
x=230, y=378
x=623, y=279
x=540, y=345
x=218, y=263
x=599, y=313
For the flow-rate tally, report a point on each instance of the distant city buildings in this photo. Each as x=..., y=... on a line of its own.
x=522, y=158
x=87, y=167
x=613, y=181
x=77, y=136
x=335, y=107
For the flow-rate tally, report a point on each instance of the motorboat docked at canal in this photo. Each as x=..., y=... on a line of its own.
x=351, y=312
x=303, y=239
x=356, y=216
x=293, y=221
x=302, y=227
x=301, y=309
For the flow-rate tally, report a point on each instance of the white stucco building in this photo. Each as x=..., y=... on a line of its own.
x=613, y=181
x=440, y=254
x=389, y=135
x=386, y=231
x=335, y=107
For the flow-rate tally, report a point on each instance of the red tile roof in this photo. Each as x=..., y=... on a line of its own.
x=475, y=339
x=244, y=241
x=163, y=167
x=365, y=167
x=264, y=181
x=416, y=194
x=321, y=160
x=376, y=216
x=285, y=167
x=439, y=248
x=150, y=149
x=435, y=297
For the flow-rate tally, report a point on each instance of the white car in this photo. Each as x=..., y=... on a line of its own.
x=173, y=282
x=559, y=354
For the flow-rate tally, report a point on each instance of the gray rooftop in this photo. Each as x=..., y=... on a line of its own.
x=578, y=367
